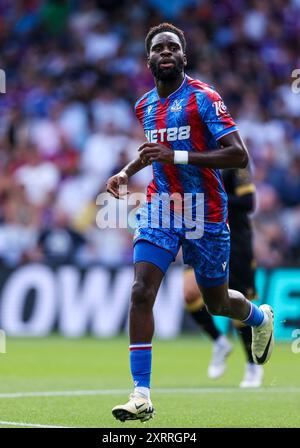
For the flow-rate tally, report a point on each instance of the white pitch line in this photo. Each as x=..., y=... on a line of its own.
x=64, y=393
x=209, y=390
x=125, y=391
x=205, y=390
x=32, y=425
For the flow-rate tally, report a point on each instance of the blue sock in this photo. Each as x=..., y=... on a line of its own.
x=140, y=364
x=256, y=316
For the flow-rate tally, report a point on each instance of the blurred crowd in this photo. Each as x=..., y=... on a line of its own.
x=74, y=70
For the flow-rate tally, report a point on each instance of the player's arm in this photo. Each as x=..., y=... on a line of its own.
x=121, y=178
x=244, y=202
x=242, y=196
x=133, y=167
x=232, y=153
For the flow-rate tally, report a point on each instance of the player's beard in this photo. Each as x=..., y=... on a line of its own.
x=166, y=74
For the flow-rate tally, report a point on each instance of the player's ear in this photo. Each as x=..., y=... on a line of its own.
x=148, y=62
x=184, y=60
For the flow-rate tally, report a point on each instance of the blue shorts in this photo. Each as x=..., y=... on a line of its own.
x=208, y=255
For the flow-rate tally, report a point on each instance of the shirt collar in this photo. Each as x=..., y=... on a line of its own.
x=175, y=91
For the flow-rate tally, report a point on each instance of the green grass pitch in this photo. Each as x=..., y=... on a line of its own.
x=96, y=374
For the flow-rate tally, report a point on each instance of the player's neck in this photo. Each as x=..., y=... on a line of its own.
x=166, y=88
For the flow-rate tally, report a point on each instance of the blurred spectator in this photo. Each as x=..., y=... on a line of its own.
x=101, y=42
x=110, y=111
x=59, y=243
x=39, y=178
x=19, y=227
x=288, y=185
x=101, y=152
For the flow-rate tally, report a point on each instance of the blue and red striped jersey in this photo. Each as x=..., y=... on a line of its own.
x=192, y=118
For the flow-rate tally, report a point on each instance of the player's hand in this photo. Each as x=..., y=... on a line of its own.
x=113, y=184
x=155, y=152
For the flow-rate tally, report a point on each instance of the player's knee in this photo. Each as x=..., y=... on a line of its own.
x=190, y=297
x=190, y=288
x=217, y=309
x=142, y=295
x=213, y=309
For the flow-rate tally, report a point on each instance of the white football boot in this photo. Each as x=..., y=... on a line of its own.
x=137, y=408
x=253, y=376
x=263, y=338
x=221, y=349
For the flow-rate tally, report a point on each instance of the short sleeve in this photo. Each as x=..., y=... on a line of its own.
x=140, y=107
x=139, y=112
x=214, y=114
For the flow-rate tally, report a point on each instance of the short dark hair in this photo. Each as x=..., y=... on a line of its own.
x=164, y=27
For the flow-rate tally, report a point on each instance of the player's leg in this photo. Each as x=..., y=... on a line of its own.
x=210, y=255
x=195, y=306
x=147, y=279
x=151, y=263
x=253, y=374
x=222, y=301
x=244, y=333
x=242, y=278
